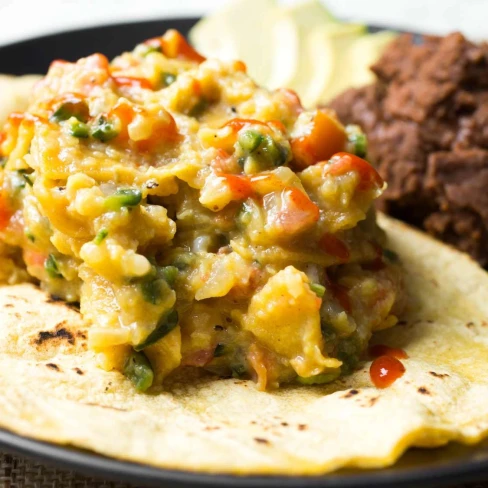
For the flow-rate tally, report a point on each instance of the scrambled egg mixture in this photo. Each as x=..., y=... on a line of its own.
x=198, y=219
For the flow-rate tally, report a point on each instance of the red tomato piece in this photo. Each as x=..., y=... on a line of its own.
x=240, y=186
x=174, y=45
x=132, y=82
x=343, y=162
x=334, y=246
x=327, y=136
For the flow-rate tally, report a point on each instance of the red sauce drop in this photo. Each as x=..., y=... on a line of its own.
x=382, y=350
x=385, y=370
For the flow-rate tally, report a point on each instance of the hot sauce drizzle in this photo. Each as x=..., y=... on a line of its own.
x=387, y=367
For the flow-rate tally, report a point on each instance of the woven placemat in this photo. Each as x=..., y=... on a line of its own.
x=19, y=472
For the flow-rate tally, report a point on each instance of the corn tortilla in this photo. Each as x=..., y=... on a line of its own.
x=51, y=388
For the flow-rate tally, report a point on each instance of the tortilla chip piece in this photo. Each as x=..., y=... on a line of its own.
x=51, y=388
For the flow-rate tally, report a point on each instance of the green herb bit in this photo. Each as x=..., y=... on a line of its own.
x=29, y=235
x=167, y=323
x=250, y=140
x=101, y=236
x=391, y=255
x=167, y=79
x=78, y=129
x=319, y=379
x=104, y=130
x=219, y=350
x=198, y=109
x=318, y=289
x=357, y=140
x=138, y=369
x=51, y=267
x=75, y=108
x=125, y=197
x=170, y=273
x=3, y=161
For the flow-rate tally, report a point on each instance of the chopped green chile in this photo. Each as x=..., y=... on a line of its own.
x=151, y=49
x=238, y=370
x=104, y=130
x=29, y=235
x=125, y=197
x=184, y=261
x=170, y=273
x=78, y=129
x=199, y=108
x=76, y=108
x=318, y=289
x=250, y=140
x=51, y=267
x=274, y=153
x=391, y=255
x=166, y=324
x=167, y=79
x=101, y=236
x=138, y=369
x=219, y=350
x=27, y=178
x=358, y=143
x=319, y=379
x=154, y=291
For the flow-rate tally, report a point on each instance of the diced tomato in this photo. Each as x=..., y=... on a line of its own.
x=34, y=258
x=292, y=99
x=198, y=358
x=238, y=124
x=6, y=211
x=342, y=296
x=327, y=136
x=257, y=359
x=295, y=212
x=97, y=61
x=343, y=162
x=132, y=82
x=334, y=246
x=240, y=66
x=174, y=45
x=240, y=186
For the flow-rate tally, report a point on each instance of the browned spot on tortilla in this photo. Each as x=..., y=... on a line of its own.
x=484, y=323
x=302, y=427
x=17, y=315
x=253, y=422
x=78, y=371
x=285, y=424
x=59, y=333
x=470, y=324
x=209, y=428
x=71, y=305
x=261, y=440
x=105, y=406
x=423, y=390
x=430, y=321
x=17, y=298
x=350, y=393
x=439, y=375
x=373, y=400
x=402, y=322
x=9, y=305
x=53, y=366
x=239, y=382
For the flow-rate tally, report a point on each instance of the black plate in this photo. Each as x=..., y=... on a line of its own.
x=446, y=466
